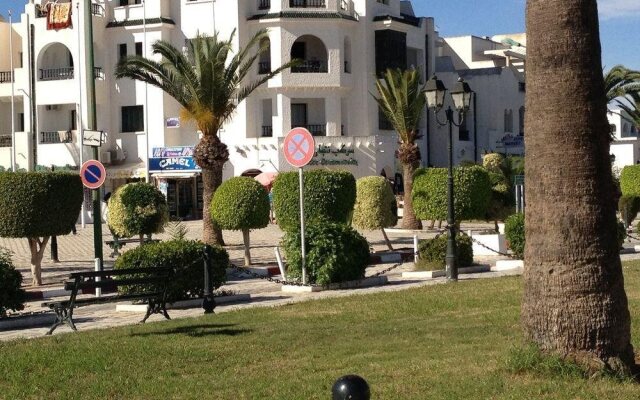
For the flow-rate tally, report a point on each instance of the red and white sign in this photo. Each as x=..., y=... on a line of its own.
x=93, y=174
x=299, y=147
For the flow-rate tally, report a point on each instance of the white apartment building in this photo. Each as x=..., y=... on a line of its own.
x=343, y=43
x=494, y=67
x=625, y=147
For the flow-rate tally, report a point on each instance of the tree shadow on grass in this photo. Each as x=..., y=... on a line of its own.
x=200, y=330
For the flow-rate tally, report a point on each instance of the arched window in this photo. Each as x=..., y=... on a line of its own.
x=264, y=64
x=313, y=55
x=347, y=55
x=55, y=62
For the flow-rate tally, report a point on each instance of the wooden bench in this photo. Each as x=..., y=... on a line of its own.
x=116, y=244
x=149, y=284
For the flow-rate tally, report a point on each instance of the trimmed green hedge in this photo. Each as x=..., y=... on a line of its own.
x=472, y=193
x=629, y=206
x=39, y=204
x=240, y=203
x=432, y=253
x=12, y=297
x=328, y=196
x=375, y=206
x=184, y=255
x=335, y=253
x=514, y=233
x=137, y=209
x=630, y=180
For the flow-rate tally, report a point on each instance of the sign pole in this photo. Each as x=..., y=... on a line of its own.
x=304, y=252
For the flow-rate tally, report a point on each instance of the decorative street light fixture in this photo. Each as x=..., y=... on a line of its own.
x=435, y=92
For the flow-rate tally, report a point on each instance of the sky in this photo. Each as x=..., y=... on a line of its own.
x=619, y=22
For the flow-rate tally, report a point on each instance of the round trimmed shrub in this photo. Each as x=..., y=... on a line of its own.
x=493, y=162
x=629, y=206
x=241, y=204
x=137, y=209
x=375, y=206
x=184, y=255
x=36, y=206
x=12, y=297
x=335, y=253
x=329, y=196
x=630, y=180
x=514, y=233
x=432, y=253
x=472, y=193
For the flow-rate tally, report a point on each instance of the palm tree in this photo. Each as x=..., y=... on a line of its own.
x=622, y=86
x=208, y=82
x=402, y=101
x=574, y=300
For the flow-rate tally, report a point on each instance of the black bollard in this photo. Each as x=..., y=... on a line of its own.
x=352, y=387
x=208, y=302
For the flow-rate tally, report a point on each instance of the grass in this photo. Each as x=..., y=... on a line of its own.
x=458, y=341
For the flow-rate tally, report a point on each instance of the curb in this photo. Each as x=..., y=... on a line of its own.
x=440, y=272
x=183, y=304
x=362, y=283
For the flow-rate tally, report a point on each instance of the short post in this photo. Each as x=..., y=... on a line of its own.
x=280, y=263
x=351, y=387
x=97, y=268
x=54, y=249
x=415, y=248
x=208, y=302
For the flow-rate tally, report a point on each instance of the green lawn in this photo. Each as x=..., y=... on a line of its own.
x=439, y=342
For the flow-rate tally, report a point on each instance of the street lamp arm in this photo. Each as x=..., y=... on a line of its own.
x=460, y=119
x=441, y=123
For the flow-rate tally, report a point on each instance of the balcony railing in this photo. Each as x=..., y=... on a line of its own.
x=56, y=74
x=307, y=3
x=6, y=76
x=98, y=73
x=310, y=66
x=97, y=10
x=264, y=4
x=56, y=137
x=264, y=67
x=5, y=140
x=267, y=131
x=316, y=130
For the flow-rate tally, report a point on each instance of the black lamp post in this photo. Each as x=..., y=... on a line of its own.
x=435, y=92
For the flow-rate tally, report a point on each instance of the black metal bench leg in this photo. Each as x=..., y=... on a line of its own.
x=62, y=316
x=164, y=312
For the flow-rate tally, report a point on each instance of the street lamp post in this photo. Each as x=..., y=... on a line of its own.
x=435, y=92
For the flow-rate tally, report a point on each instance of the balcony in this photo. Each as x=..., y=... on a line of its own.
x=6, y=77
x=307, y=3
x=267, y=131
x=264, y=67
x=56, y=137
x=96, y=10
x=264, y=4
x=56, y=74
x=315, y=130
x=311, y=67
x=5, y=140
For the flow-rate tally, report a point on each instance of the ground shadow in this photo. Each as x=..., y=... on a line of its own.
x=200, y=330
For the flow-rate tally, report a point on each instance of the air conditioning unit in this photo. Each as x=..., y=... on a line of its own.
x=52, y=107
x=106, y=157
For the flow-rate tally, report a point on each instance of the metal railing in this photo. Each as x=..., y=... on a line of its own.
x=6, y=76
x=56, y=137
x=98, y=73
x=315, y=130
x=310, y=66
x=5, y=140
x=56, y=74
x=97, y=10
x=267, y=131
x=264, y=67
x=307, y=3
x=264, y=4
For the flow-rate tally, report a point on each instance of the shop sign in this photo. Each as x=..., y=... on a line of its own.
x=507, y=143
x=173, y=159
x=328, y=156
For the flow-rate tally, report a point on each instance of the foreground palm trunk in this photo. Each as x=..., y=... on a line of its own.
x=409, y=219
x=574, y=300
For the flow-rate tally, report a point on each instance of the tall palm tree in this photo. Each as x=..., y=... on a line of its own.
x=574, y=300
x=622, y=86
x=402, y=101
x=208, y=82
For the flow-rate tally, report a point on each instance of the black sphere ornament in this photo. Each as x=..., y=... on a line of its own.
x=350, y=387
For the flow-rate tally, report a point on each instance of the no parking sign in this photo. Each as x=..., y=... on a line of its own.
x=93, y=174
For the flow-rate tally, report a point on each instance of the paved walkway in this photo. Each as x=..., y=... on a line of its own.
x=76, y=253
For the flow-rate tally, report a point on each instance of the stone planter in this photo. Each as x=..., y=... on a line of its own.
x=493, y=241
x=361, y=283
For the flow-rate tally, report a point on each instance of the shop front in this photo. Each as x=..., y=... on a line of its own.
x=178, y=177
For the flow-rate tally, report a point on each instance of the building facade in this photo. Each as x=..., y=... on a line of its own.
x=343, y=45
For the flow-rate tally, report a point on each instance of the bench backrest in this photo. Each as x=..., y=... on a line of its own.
x=135, y=276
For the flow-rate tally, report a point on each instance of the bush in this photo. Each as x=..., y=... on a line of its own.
x=12, y=297
x=514, y=232
x=433, y=252
x=137, y=209
x=241, y=204
x=184, y=255
x=493, y=162
x=472, y=193
x=329, y=196
x=375, y=206
x=629, y=206
x=37, y=205
x=335, y=253
x=630, y=180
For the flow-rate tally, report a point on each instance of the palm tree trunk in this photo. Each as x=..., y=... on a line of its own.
x=409, y=220
x=574, y=300
x=211, y=179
